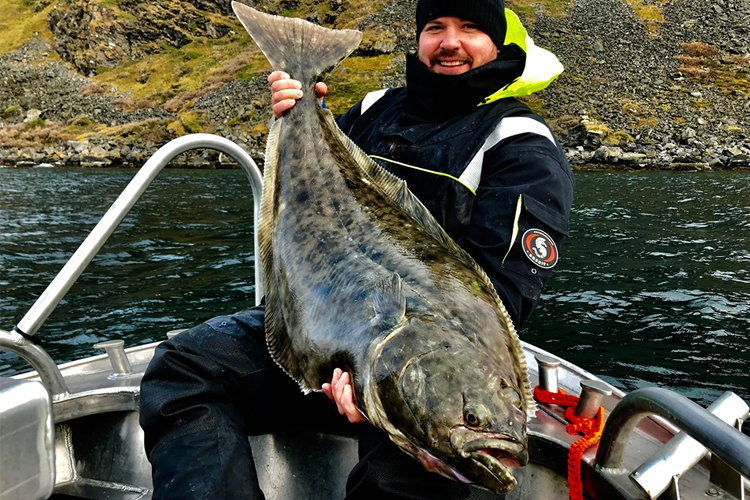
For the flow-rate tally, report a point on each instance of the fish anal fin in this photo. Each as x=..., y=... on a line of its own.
x=277, y=337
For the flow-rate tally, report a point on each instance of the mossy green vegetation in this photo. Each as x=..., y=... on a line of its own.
x=153, y=130
x=20, y=23
x=114, y=6
x=650, y=14
x=355, y=77
x=535, y=102
x=340, y=14
x=12, y=111
x=608, y=136
x=187, y=123
x=35, y=123
x=639, y=116
x=180, y=76
x=647, y=122
x=527, y=8
x=714, y=69
x=39, y=132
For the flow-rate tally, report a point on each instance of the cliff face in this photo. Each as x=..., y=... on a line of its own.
x=108, y=81
x=95, y=36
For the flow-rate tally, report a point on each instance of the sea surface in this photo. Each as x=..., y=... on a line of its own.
x=653, y=285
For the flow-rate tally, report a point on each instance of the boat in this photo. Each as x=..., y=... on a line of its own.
x=71, y=431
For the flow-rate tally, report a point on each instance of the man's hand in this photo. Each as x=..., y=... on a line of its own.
x=341, y=392
x=285, y=92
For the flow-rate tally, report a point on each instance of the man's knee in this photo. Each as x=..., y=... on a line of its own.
x=240, y=325
x=205, y=363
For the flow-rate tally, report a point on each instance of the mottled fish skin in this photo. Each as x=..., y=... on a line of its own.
x=360, y=276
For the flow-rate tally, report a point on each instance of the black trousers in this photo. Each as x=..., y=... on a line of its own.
x=210, y=387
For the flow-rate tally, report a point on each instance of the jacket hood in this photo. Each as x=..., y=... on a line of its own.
x=541, y=68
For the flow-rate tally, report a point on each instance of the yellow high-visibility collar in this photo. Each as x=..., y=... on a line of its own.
x=541, y=69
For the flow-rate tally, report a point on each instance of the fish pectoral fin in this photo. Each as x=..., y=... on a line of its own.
x=390, y=301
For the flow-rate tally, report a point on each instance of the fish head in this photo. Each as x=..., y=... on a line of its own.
x=456, y=409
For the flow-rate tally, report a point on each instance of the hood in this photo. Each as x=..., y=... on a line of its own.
x=541, y=68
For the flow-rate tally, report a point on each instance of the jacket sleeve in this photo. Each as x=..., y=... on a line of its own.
x=520, y=218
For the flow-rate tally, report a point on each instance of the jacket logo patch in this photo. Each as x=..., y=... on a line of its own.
x=540, y=248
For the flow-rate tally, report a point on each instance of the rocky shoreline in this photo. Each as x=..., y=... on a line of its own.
x=110, y=154
x=645, y=88
x=583, y=146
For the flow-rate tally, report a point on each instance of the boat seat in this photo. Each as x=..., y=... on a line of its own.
x=27, y=453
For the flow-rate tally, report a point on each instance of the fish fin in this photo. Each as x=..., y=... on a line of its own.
x=396, y=189
x=277, y=338
x=269, y=205
x=300, y=48
x=390, y=300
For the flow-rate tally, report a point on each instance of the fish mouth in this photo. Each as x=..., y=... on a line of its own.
x=500, y=450
x=490, y=458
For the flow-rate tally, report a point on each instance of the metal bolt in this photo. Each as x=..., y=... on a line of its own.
x=116, y=351
x=547, y=372
x=592, y=392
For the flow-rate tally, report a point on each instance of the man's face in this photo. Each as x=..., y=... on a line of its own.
x=450, y=45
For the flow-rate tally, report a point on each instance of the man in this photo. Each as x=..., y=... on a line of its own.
x=487, y=168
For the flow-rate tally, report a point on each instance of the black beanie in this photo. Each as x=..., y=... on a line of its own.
x=488, y=14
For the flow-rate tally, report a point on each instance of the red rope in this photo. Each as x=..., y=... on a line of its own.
x=591, y=428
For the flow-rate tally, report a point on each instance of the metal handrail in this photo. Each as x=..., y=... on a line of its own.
x=46, y=303
x=681, y=453
x=39, y=360
x=20, y=340
x=724, y=441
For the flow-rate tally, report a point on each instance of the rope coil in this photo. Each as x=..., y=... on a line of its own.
x=591, y=428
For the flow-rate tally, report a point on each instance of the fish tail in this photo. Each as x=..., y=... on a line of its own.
x=300, y=48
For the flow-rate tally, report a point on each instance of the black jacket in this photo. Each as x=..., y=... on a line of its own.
x=526, y=165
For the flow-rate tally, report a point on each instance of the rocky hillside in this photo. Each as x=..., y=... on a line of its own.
x=648, y=84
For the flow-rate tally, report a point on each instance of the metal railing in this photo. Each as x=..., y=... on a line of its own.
x=721, y=439
x=20, y=341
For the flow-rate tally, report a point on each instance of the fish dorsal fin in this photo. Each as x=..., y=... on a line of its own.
x=389, y=301
x=397, y=190
x=277, y=337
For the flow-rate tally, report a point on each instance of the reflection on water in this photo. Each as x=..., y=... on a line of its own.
x=652, y=286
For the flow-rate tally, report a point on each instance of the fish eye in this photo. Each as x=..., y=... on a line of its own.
x=475, y=416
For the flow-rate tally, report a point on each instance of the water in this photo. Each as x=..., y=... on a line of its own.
x=653, y=286
x=183, y=254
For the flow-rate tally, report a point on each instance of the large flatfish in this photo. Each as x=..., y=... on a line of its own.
x=360, y=276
